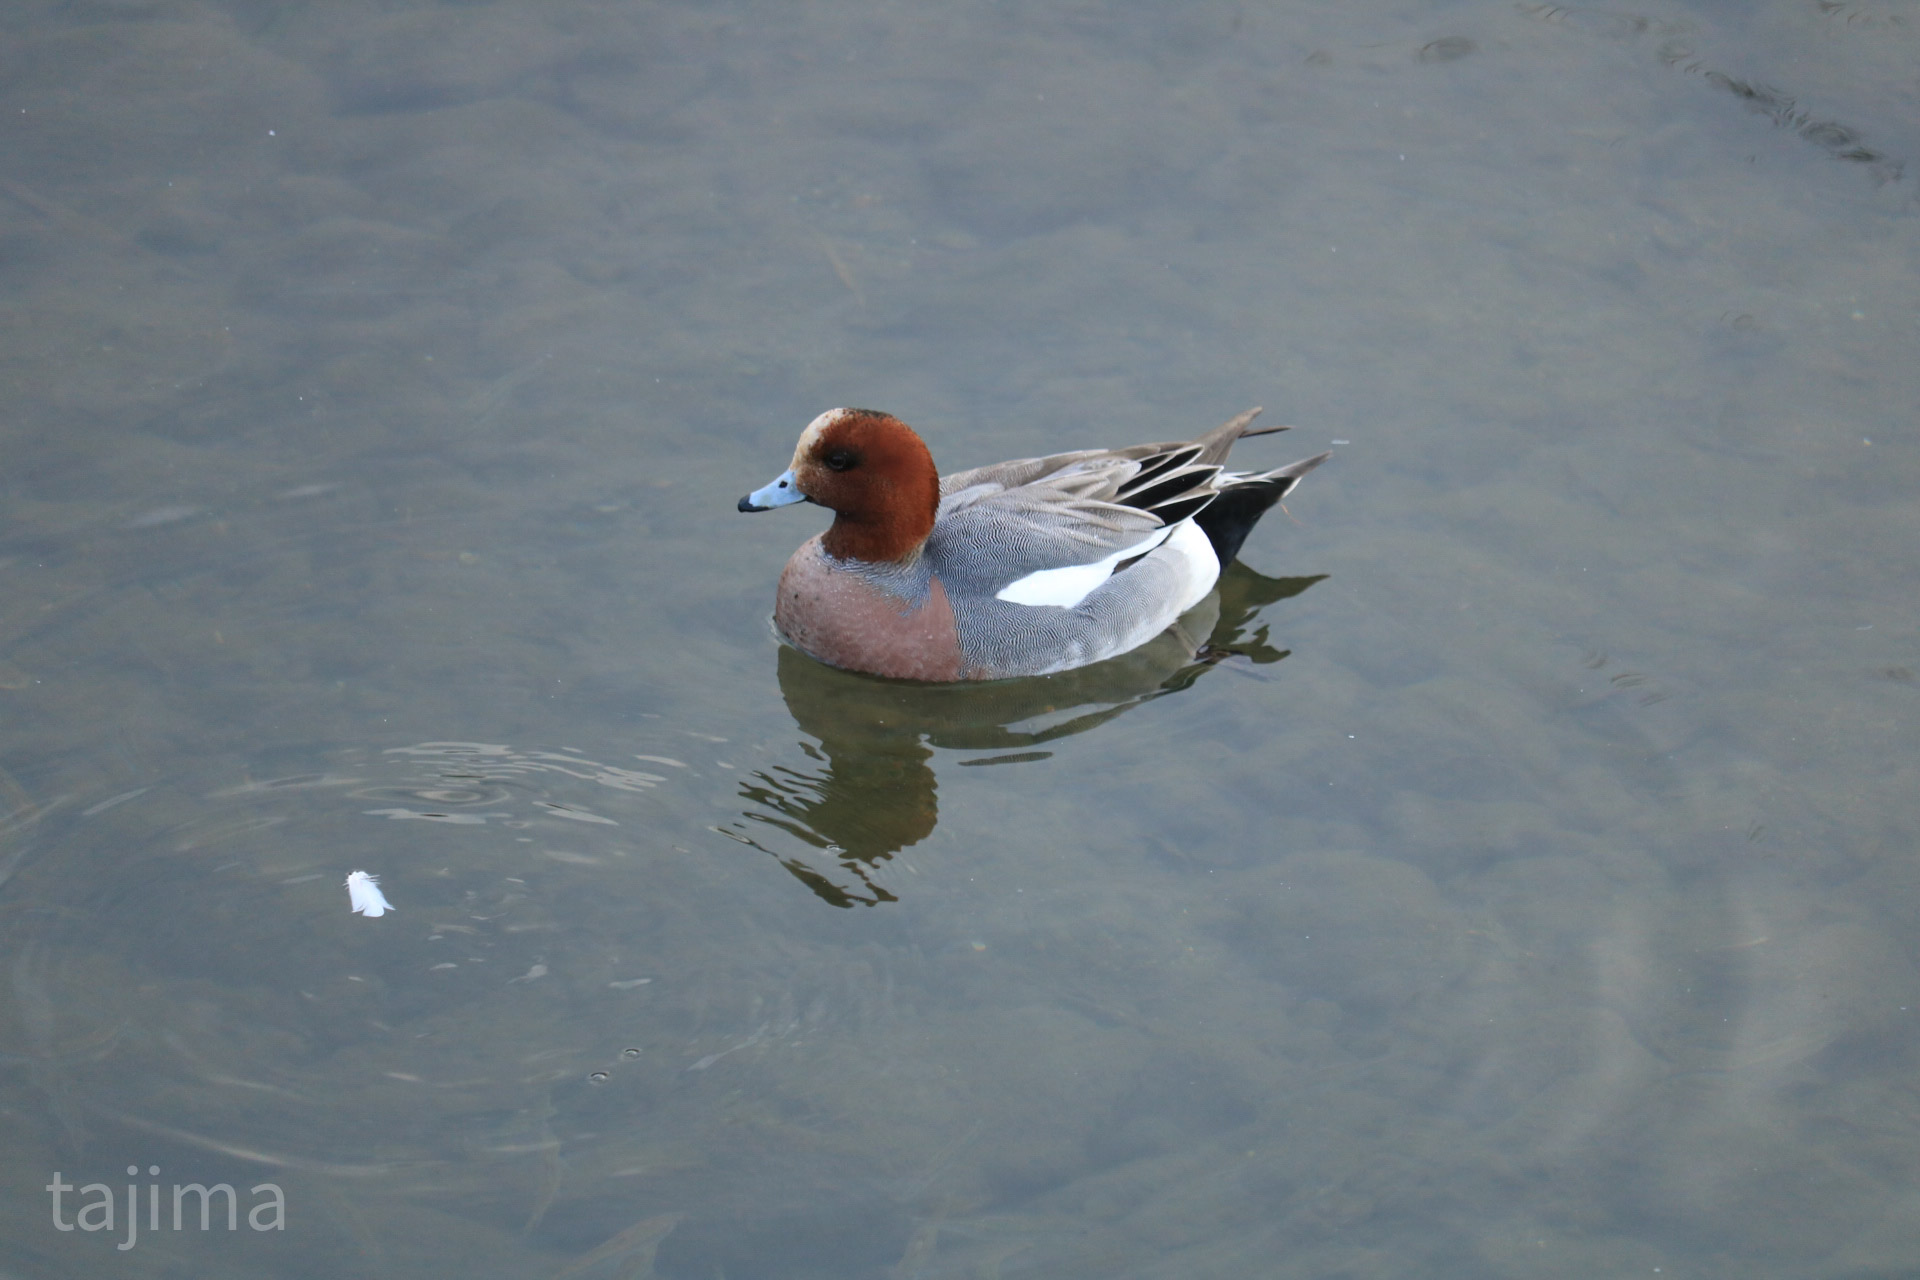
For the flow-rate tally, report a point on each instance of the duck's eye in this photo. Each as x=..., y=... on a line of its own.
x=841, y=460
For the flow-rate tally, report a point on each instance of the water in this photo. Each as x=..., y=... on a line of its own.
x=1528, y=892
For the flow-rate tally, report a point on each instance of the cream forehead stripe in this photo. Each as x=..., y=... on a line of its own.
x=811, y=436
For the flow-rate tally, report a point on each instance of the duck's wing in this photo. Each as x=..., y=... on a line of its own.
x=1212, y=447
x=1092, y=508
x=1054, y=540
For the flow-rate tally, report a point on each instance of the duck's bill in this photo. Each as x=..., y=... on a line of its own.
x=783, y=492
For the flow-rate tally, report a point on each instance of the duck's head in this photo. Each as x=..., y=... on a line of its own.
x=873, y=472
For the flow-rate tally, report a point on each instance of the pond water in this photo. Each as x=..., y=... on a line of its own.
x=1529, y=890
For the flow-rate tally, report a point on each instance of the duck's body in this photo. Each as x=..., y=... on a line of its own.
x=1016, y=569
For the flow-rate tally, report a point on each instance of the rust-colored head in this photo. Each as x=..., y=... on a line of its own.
x=878, y=478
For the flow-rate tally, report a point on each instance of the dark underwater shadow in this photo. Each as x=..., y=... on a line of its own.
x=870, y=791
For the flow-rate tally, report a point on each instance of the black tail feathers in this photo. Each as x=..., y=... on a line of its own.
x=1230, y=517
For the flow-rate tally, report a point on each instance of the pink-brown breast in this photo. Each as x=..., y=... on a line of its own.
x=846, y=621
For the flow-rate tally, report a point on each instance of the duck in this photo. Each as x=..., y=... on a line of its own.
x=1021, y=568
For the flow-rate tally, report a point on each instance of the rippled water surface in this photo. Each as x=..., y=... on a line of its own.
x=1526, y=888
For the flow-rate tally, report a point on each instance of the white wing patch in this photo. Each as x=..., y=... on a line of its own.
x=1067, y=587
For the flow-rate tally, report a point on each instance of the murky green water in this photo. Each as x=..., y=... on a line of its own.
x=1531, y=892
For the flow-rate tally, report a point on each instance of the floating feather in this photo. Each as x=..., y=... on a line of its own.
x=364, y=896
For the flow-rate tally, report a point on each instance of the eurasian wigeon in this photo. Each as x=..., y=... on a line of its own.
x=1020, y=568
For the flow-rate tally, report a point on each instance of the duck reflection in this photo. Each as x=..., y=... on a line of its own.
x=871, y=790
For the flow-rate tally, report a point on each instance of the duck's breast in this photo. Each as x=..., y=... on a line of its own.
x=846, y=618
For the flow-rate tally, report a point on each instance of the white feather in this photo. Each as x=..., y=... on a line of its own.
x=1067, y=587
x=364, y=896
